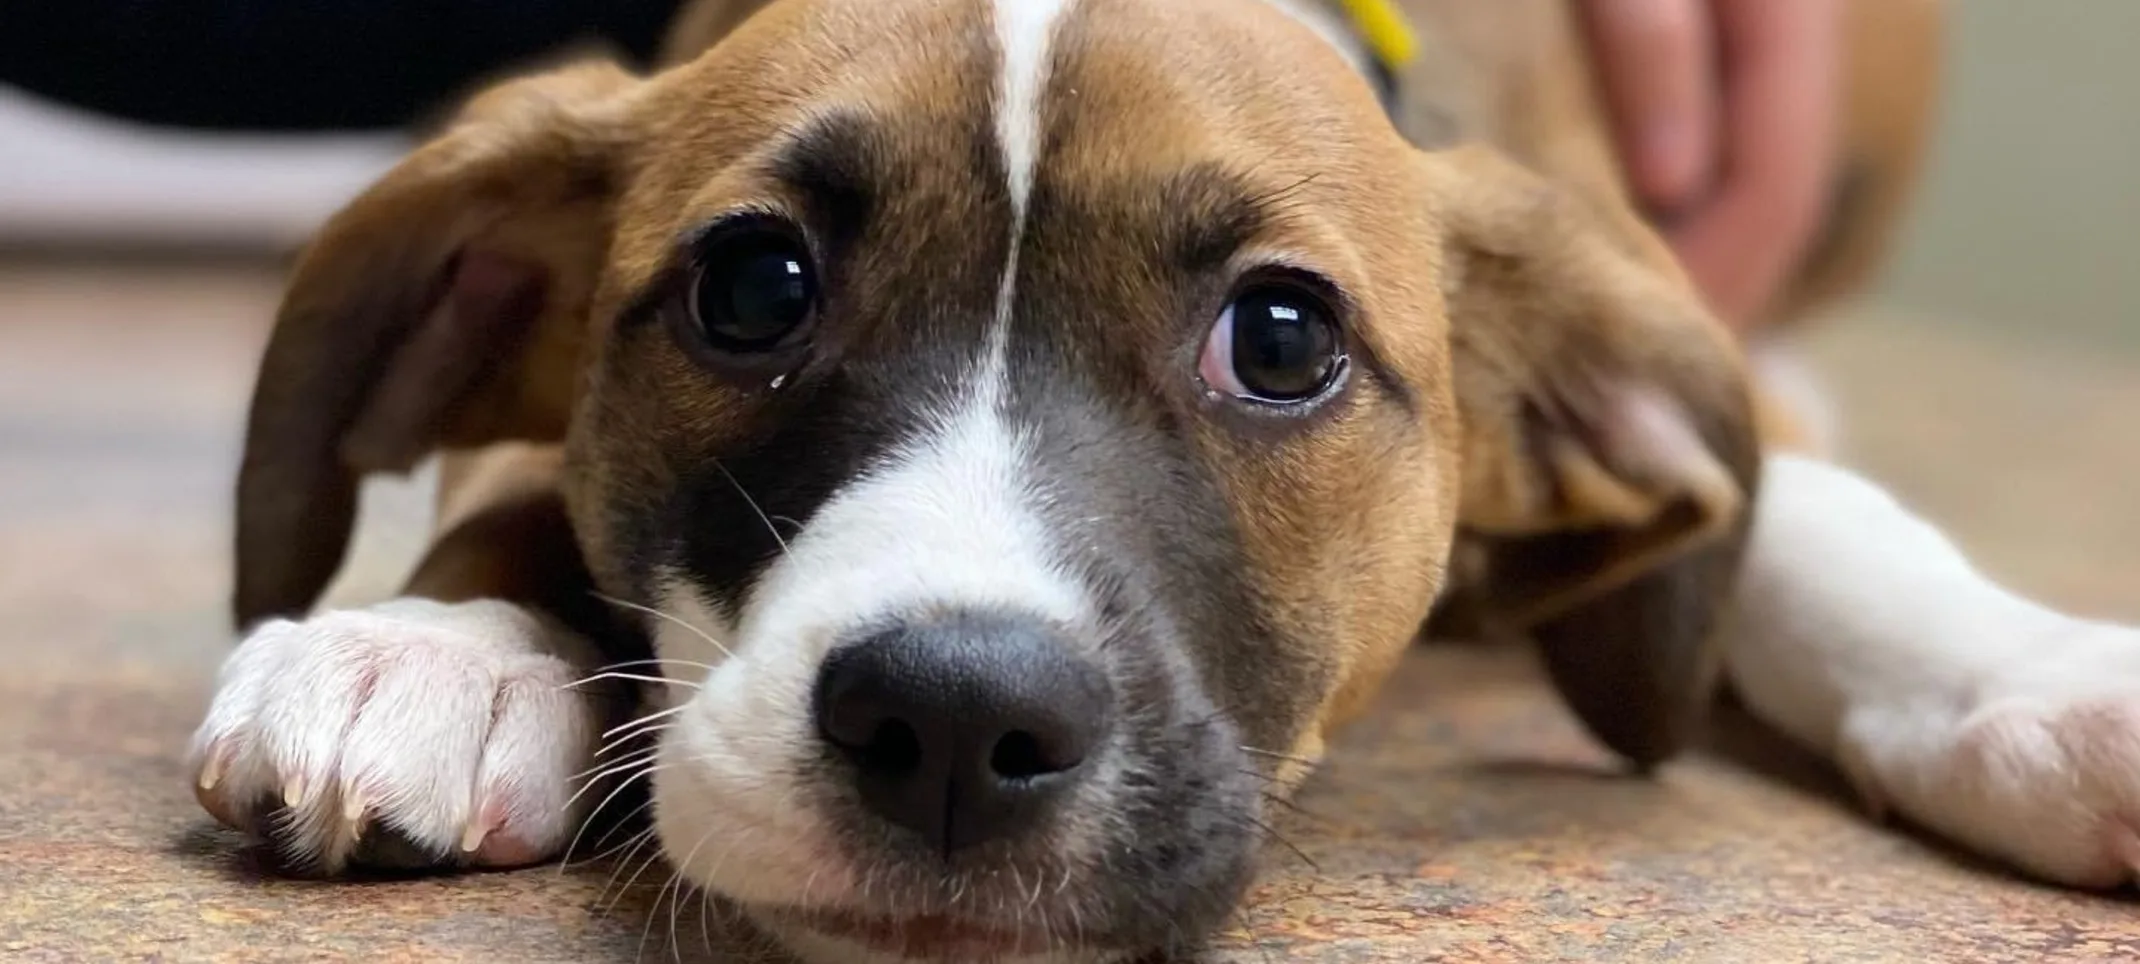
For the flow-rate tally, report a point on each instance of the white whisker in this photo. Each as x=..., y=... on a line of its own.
x=654, y=911
x=705, y=914
x=624, y=888
x=613, y=745
x=639, y=843
x=633, y=677
x=588, y=823
x=673, y=887
x=641, y=721
x=676, y=898
x=754, y=507
x=594, y=772
x=658, y=614
x=645, y=768
x=657, y=661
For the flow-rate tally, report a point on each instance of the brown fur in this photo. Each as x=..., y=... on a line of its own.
x=1526, y=306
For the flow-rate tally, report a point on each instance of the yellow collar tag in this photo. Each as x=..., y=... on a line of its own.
x=1382, y=24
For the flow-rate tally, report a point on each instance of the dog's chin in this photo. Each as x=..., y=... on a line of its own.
x=820, y=936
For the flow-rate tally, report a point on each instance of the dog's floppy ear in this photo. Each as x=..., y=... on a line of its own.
x=442, y=307
x=1609, y=455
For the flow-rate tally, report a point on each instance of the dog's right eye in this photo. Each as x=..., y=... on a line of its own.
x=1275, y=343
x=755, y=290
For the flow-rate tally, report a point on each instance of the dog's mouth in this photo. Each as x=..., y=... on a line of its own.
x=924, y=937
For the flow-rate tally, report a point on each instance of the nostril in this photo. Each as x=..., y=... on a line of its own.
x=1020, y=755
x=1017, y=756
x=876, y=740
x=893, y=749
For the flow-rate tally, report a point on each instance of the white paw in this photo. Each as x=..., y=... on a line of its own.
x=409, y=733
x=2039, y=766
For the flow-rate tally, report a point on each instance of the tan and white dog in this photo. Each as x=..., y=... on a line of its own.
x=1020, y=430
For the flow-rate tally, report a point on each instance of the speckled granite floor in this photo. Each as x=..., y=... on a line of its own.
x=1467, y=821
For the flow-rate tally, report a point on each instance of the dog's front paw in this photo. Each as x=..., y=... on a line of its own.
x=410, y=734
x=2039, y=765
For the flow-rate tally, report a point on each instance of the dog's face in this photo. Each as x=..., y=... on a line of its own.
x=1023, y=421
x=1034, y=425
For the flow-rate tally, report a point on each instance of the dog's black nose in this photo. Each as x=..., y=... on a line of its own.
x=962, y=729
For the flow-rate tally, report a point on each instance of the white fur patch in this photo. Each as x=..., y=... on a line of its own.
x=1864, y=632
x=1025, y=34
x=451, y=724
x=948, y=524
x=691, y=635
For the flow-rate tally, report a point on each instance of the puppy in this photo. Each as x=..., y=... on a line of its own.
x=1010, y=436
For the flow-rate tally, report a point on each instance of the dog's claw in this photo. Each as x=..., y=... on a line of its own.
x=212, y=767
x=293, y=793
x=489, y=817
x=472, y=841
x=353, y=807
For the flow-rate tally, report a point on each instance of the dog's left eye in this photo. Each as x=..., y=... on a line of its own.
x=754, y=290
x=1276, y=342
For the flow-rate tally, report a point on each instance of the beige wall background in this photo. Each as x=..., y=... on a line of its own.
x=2029, y=216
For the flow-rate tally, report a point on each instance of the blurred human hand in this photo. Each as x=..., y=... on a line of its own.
x=1724, y=112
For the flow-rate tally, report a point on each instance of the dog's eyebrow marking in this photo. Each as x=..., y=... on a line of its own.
x=1025, y=33
x=834, y=163
x=834, y=166
x=1206, y=213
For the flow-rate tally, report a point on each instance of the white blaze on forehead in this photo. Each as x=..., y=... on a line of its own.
x=1025, y=35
